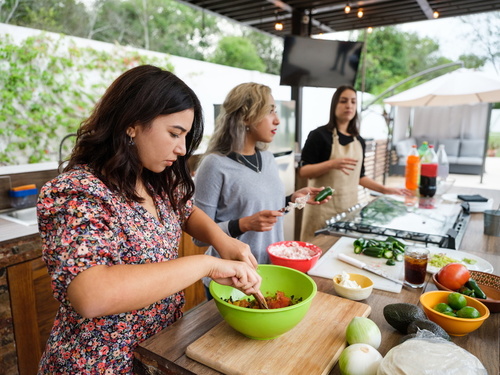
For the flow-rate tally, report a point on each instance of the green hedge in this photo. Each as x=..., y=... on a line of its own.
x=48, y=85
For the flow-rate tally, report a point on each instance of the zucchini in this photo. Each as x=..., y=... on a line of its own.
x=478, y=293
x=323, y=194
x=390, y=262
x=376, y=252
x=399, y=257
x=359, y=245
x=388, y=254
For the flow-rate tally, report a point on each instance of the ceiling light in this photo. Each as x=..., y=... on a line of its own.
x=369, y=29
x=360, y=13
x=347, y=8
x=435, y=14
x=278, y=26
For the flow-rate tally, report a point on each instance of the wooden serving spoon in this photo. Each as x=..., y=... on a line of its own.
x=261, y=301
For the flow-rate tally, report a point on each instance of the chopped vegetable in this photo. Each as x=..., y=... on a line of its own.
x=277, y=301
x=440, y=260
x=391, y=249
x=469, y=261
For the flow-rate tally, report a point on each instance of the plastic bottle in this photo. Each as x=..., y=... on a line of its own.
x=423, y=149
x=412, y=171
x=428, y=173
x=443, y=164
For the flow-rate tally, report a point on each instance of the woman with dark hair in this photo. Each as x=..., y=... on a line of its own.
x=111, y=223
x=333, y=155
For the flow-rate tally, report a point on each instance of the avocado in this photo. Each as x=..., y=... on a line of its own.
x=435, y=328
x=400, y=315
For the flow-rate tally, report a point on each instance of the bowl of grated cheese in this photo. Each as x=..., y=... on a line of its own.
x=353, y=286
x=301, y=256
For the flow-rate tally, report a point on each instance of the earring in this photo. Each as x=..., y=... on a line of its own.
x=131, y=141
x=247, y=128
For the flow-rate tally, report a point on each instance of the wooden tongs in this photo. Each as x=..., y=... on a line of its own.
x=261, y=301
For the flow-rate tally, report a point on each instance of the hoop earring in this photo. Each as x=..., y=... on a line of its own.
x=131, y=141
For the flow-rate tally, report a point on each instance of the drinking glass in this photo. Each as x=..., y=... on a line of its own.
x=416, y=259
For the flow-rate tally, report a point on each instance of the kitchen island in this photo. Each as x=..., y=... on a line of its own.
x=164, y=353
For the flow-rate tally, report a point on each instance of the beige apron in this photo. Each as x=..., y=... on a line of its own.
x=346, y=189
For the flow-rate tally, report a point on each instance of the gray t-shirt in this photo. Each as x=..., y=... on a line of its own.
x=227, y=190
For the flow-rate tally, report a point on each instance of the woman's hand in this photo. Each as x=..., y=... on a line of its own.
x=345, y=165
x=312, y=191
x=398, y=191
x=261, y=221
x=234, y=249
x=236, y=274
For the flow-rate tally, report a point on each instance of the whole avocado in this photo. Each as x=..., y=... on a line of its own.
x=400, y=315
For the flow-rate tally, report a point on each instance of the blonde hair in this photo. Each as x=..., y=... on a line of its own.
x=245, y=106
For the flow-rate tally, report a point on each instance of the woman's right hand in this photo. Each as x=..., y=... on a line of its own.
x=261, y=221
x=346, y=165
x=236, y=274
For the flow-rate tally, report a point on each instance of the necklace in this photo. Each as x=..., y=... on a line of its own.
x=248, y=163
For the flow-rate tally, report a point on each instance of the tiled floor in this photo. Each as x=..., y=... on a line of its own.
x=490, y=180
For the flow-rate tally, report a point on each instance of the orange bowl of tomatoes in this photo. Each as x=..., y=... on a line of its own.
x=454, y=278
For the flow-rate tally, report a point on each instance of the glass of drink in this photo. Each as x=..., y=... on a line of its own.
x=416, y=266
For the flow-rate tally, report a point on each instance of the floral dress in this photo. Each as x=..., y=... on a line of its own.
x=82, y=224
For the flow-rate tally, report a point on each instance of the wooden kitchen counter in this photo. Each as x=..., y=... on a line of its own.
x=164, y=353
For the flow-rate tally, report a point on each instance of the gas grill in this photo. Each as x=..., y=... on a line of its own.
x=439, y=224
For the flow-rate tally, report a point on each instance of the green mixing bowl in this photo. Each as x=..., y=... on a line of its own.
x=267, y=324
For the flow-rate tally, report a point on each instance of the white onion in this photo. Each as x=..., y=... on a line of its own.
x=363, y=331
x=359, y=359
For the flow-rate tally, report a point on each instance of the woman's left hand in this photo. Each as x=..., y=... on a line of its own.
x=234, y=249
x=312, y=191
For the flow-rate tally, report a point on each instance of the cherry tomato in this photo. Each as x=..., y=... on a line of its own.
x=453, y=275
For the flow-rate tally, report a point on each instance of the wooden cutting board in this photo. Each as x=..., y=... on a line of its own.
x=313, y=346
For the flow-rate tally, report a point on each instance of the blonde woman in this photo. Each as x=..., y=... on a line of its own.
x=237, y=183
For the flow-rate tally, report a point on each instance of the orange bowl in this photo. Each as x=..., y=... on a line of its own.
x=301, y=256
x=454, y=326
x=488, y=282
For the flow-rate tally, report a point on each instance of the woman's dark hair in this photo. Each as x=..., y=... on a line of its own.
x=352, y=128
x=137, y=97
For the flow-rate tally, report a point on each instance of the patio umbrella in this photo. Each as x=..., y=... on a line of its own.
x=462, y=86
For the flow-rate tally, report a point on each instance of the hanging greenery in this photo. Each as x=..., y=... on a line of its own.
x=48, y=85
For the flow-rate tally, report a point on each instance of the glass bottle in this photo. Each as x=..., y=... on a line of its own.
x=428, y=173
x=443, y=164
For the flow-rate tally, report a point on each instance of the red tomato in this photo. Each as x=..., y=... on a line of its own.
x=453, y=275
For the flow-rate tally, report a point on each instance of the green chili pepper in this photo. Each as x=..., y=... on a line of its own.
x=478, y=292
x=323, y=194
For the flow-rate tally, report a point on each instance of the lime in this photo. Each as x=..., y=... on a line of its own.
x=443, y=308
x=450, y=313
x=456, y=301
x=468, y=312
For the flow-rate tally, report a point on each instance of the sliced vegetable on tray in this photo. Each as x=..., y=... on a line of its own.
x=390, y=249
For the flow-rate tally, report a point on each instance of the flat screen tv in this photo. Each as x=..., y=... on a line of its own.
x=319, y=62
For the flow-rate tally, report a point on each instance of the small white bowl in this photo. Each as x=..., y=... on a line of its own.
x=355, y=294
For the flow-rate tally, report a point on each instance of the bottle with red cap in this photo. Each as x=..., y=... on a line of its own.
x=428, y=173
